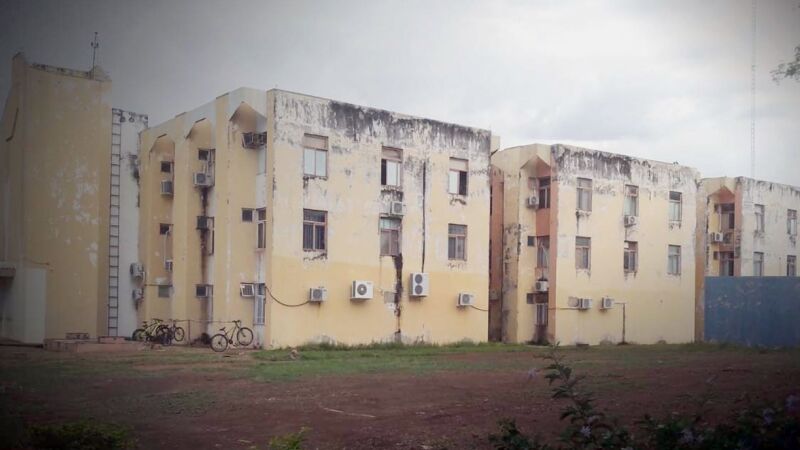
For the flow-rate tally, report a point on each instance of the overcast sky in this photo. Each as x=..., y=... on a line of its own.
x=663, y=80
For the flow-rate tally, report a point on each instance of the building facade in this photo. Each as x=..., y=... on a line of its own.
x=309, y=220
x=597, y=247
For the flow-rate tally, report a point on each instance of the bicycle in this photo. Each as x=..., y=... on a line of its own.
x=220, y=341
x=154, y=331
x=176, y=333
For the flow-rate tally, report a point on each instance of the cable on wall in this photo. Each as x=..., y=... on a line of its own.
x=280, y=302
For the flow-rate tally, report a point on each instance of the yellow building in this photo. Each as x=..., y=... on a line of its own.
x=309, y=219
x=596, y=247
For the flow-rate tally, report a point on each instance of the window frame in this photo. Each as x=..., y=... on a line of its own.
x=677, y=256
x=457, y=237
x=675, y=205
x=758, y=264
x=581, y=248
x=394, y=234
x=461, y=174
x=630, y=253
x=791, y=265
x=261, y=228
x=543, y=252
x=247, y=215
x=164, y=288
x=632, y=195
x=543, y=192
x=727, y=264
x=583, y=190
x=760, y=212
x=395, y=157
x=791, y=222
x=169, y=165
x=315, y=226
x=308, y=147
x=542, y=312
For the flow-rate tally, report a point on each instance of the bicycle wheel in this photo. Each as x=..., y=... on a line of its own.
x=219, y=342
x=178, y=334
x=244, y=336
x=163, y=335
x=139, y=335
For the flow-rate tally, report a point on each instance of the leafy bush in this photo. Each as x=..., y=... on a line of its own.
x=291, y=441
x=82, y=435
x=775, y=426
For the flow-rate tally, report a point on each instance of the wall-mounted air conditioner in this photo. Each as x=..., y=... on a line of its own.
x=361, y=290
x=167, y=187
x=397, y=208
x=202, y=179
x=137, y=270
x=168, y=265
x=247, y=290
x=317, y=295
x=541, y=286
x=466, y=299
x=420, y=285
x=203, y=290
x=203, y=222
x=137, y=294
x=532, y=202
x=607, y=303
x=254, y=141
x=631, y=220
x=584, y=303
x=716, y=237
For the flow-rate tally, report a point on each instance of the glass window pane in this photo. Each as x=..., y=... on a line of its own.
x=453, y=182
x=321, y=163
x=308, y=236
x=460, y=248
x=392, y=178
x=320, y=238
x=308, y=161
x=451, y=248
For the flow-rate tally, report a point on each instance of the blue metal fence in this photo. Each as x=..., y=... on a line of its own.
x=753, y=311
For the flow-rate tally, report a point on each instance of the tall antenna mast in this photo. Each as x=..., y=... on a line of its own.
x=753, y=96
x=95, y=46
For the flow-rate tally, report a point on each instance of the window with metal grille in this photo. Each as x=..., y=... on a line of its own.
x=584, y=194
x=315, y=155
x=314, y=224
x=259, y=306
x=541, y=314
x=261, y=230
x=390, y=236
x=583, y=252
x=457, y=242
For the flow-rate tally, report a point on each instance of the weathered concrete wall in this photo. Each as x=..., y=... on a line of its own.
x=752, y=311
x=55, y=150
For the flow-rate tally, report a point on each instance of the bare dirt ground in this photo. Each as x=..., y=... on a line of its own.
x=192, y=398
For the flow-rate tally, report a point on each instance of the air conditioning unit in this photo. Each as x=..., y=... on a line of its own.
x=532, y=202
x=541, y=286
x=137, y=270
x=203, y=222
x=419, y=284
x=168, y=265
x=254, y=140
x=247, y=290
x=584, y=303
x=202, y=179
x=317, y=295
x=361, y=290
x=607, y=303
x=631, y=221
x=137, y=294
x=716, y=237
x=167, y=187
x=203, y=290
x=466, y=299
x=397, y=208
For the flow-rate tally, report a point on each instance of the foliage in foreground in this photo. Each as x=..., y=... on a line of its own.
x=774, y=426
x=291, y=441
x=82, y=435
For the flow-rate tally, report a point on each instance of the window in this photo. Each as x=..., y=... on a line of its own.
x=544, y=192
x=791, y=266
x=759, y=218
x=166, y=166
x=541, y=314
x=543, y=252
x=584, y=194
x=457, y=242
x=261, y=231
x=247, y=214
x=727, y=217
x=390, y=236
x=758, y=264
x=674, y=260
x=675, y=206
x=726, y=263
x=164, y=290
x=583, y=252
x=531, y=241
x=530, y=298
x=791, y=222
x=259, y=303
x=391, y=167
x=630, y=258
x=209, y=235
x=457, y=181
x=631, y=207
x=314, y=223
x=164, y=229
x=315, y=155
x=202, y=155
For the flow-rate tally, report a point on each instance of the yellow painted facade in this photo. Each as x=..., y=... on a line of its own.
x=54, y=171
x=653, y=301
x=348, y=190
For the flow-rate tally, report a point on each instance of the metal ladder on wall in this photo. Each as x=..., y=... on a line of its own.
x=113, y=225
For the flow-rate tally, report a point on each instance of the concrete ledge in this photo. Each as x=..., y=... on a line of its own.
x=104, y=344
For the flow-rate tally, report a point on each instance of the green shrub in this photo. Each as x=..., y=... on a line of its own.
x=83, y=435
x=290, y=441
